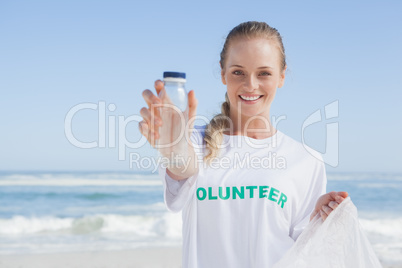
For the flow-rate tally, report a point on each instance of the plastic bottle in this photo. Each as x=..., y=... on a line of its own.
x=172, y=143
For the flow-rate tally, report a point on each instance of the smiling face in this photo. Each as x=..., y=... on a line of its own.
x=252, y=73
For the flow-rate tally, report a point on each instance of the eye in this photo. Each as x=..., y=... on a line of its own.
x=265, y=73
x=237, y=72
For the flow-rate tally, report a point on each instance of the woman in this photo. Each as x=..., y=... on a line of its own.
x=256, y=188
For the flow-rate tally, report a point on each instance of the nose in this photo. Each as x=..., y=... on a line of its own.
x=251, y=83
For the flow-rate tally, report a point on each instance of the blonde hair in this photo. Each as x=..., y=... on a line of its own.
x=220, y=122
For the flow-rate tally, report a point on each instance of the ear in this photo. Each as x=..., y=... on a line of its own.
x=282, y=78
x=223, y=77
x=222, y=74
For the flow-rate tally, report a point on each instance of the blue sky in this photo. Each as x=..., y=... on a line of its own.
x=55, y=55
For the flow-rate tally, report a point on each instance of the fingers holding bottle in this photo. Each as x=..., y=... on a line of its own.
x=163, y=98
x=192, y=106
x=163, y=118
x=159, y=86
x=149, y=127
x=146, y=132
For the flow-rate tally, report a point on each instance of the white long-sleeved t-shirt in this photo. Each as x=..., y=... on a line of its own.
x=248, y=206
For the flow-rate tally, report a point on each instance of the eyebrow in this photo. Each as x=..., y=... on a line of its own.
x=262, y=67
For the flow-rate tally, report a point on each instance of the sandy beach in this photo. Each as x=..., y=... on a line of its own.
x=138, y=258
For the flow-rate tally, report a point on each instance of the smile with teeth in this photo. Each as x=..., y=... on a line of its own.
x=250, y=98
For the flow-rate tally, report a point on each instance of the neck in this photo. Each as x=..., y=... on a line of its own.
x=256, y=127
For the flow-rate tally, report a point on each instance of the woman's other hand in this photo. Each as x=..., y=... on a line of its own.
x=327, y=203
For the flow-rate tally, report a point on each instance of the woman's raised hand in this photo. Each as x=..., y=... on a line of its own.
x=152, y=120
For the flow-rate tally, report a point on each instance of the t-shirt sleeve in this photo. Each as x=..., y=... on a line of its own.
x=316, y=188
x=178, y=192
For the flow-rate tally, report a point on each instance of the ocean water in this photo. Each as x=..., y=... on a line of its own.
x=56, y=212
x=72, y=211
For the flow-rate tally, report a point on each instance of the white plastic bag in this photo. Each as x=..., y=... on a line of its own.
x=336, y=242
